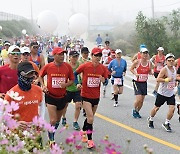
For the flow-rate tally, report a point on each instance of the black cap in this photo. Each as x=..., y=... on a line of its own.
x=107, y=42
x=33, y=43
x=84, y=50
x=73, y=53
x=25, y=68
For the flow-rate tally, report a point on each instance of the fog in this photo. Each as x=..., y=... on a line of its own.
x=102, y=12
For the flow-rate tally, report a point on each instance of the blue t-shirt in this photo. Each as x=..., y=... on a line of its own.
x=119, y=68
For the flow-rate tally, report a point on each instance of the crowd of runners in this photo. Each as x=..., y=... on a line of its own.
x=54, y=71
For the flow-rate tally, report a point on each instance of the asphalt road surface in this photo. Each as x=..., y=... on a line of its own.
x=120, y=126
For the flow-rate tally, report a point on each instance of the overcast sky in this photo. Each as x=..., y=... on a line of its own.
x=129, y=7
x=124, y=10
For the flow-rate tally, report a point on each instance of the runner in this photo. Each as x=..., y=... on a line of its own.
x=140, y=68
x=158, y=61
x=59, y=76
x=118, y=68
x=4, y=53
x=73, y=93
x=93, y=74
x=106, y=51
x=84, y=55
x=8, y=73
x=83, y=59
x=106, y=63
x=167, y=78
x=29, y=95
x=178, y=74
x=138, y=55
x=36, y=57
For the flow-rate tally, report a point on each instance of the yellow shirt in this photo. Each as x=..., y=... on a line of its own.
x=4, y=55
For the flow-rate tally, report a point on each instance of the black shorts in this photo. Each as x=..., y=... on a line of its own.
x=90, y=100
x=112, y=82
x=160, y=100
x=75, y=96
x=156, y=74
x=140, y=88
x=60, y=103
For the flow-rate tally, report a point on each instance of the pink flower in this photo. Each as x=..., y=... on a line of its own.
x=56, y=149
x=10, y=123
x=78, y=147
x=111, y=151
x=49, y=128
x=4, y=141
x=38, y=121
x=14, y=106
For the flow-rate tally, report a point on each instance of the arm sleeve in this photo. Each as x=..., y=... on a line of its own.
x=125, y=67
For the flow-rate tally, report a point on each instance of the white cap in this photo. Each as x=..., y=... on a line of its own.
x=7, y=43
x=12, y=48
x=118, y=51
x=160, y=49
x=169, y=55
x=144, y=50
x=25, y=49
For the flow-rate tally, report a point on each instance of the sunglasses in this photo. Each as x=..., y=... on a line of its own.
x=15, y=53
x=26, y=54
x=98, y=55
x=35, y=47
x=170, y=60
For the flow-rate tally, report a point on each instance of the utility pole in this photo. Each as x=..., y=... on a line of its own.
x=31, y=13
x=153, y=9
x=88, y=15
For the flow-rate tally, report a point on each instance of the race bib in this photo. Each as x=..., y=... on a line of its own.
x=170, y=85
x=93, y=82
x=118, y=81
x=56, y=81
x=143, y=77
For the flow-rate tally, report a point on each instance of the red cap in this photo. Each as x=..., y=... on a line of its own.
x=57, y=50
x=113, y=52
x=95, y=51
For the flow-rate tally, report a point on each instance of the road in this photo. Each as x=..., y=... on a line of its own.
x=120, y=126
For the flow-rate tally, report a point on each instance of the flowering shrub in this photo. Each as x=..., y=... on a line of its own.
x=13, y=139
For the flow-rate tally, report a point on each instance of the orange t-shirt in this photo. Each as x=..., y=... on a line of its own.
x=28, y=105
x=91, y=79
x=55, y=76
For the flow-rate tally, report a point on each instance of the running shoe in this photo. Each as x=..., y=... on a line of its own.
x=115, y=104
x=150, y=123
x=135, y=114
x=76, y=126
x=167, y=127
x=90, y=144
x=64, y=121
x=84, y=138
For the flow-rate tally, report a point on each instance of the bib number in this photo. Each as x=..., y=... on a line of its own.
x=56, y=81
x=143, y=77
x=93, y=82
x=170, y=85
x=118, y=81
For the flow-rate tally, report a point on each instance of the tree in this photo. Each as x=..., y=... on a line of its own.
x=151, y=32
